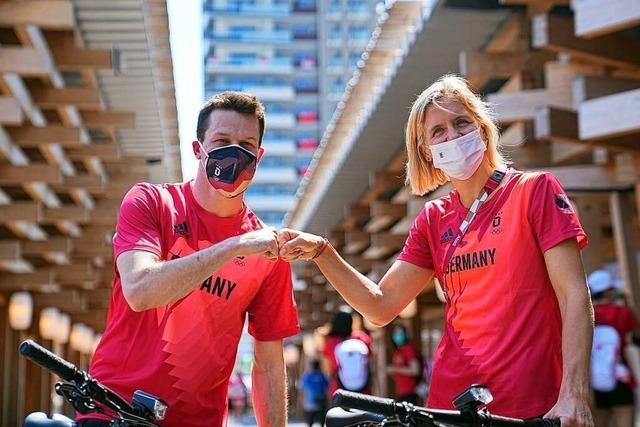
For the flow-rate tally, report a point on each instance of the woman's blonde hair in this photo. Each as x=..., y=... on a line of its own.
x=422, y=176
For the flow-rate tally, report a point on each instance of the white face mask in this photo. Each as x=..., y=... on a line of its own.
x=460, y=157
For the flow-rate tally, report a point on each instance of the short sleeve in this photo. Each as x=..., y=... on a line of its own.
x=416, y=247
x=551, y=215
x=272, y=313
x=138, y=225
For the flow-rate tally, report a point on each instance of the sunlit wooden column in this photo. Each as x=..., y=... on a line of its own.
x=622, y=216
x=590, y=214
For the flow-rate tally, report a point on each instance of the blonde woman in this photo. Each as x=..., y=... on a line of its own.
x=505, y=247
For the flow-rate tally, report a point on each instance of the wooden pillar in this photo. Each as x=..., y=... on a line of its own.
x=3, y=362
x=10, y=375
x=589, y=211
x=622, y=215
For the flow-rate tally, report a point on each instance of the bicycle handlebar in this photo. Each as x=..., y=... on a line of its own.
x=364, y=402
x=389, y=408
x=43, y=357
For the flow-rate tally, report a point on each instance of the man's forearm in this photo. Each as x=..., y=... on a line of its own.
x=269, y=395
x=165, y=282
x=577, y=336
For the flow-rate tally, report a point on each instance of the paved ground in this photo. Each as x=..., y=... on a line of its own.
x=249, y=420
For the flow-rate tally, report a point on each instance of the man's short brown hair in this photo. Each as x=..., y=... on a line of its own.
x=240, y=102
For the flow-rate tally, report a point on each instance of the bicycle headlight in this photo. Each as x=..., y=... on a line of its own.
x=472, y=398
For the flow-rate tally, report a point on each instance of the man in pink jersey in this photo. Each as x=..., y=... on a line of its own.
x=192, y=261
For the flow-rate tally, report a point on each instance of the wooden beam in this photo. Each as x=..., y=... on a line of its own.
x=54, y=249
x=356, y=241
x=75, y=274
x=77, y=58
x=70, y=301
x=10, y=111
x=34, y=172
x=107, y=152
x=595, y=17
x=556, y=34
x=66, y=212
x=21, y=211
x=10, y=250
x=81, y=97
x=46, y=14
x=33, y=281
x=32, y=136
x=590, y=87
x=355, y=215
x=108, y=119
x=483, y=65
x=561, y=125
x=610, y=116
x=23, y=61
x=589, y=178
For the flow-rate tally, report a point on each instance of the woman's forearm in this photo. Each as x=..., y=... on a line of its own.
x=577, y=336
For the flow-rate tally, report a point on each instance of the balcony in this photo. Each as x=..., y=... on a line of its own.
x=281, y=148
x=278, y=66
x=307, y=117
x=257, y=10
x=308, y=144
x=258, y=37
x=270, y=175
x=264, y=93
x=359, y=13
x=270, y=202
x=280, y=120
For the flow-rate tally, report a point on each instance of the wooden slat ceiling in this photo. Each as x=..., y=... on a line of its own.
x=67, y=152
x=138, y=30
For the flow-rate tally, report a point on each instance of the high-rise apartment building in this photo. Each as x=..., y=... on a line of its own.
x=296, y=56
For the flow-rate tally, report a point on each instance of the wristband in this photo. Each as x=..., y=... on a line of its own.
x=325, y=243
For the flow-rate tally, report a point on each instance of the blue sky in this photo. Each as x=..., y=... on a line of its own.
x=185, y=25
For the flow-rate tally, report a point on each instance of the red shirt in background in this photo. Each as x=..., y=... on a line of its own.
x=502, y=320
x=618, y=316
x=184, y=352
x=402, y=357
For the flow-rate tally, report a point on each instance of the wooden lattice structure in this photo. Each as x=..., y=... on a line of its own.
x=87, y=108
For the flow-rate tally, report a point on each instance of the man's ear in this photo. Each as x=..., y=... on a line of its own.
x=260, y=153
x=196, y=149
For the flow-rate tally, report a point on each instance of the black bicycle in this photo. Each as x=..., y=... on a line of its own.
x=88, y=395
x=360, y=410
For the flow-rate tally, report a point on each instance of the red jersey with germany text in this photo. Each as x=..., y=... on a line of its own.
x=184, y=352
x=502, y=321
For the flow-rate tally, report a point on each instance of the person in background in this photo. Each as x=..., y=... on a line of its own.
x=617, y=400
x=406, y=367
x=341, y=331
x=314, y=386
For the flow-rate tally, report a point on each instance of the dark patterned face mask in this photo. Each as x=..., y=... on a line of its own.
x=229, y=166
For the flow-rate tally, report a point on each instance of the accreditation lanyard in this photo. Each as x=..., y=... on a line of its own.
x=492, y=183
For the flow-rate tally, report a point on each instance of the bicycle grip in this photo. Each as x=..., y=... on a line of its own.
x=364, y=402
x=43, y=357
x=543, y=422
